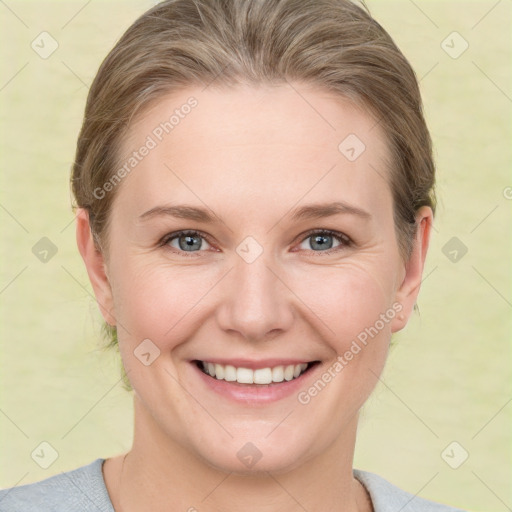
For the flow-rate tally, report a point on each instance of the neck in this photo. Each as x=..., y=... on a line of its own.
x=160, y=473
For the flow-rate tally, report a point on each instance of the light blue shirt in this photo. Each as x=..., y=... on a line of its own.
x=84, y=490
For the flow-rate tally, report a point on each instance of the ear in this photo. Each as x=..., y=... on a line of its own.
x=408, y=291
x=95, y=265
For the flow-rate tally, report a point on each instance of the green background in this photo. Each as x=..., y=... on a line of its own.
x=448, y=377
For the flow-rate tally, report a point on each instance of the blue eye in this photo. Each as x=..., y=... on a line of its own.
x=322, y=239
x=188, y=241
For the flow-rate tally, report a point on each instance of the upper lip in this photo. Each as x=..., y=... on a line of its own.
x=255, y=365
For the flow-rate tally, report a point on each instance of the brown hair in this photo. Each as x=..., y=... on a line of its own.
x=334, y=44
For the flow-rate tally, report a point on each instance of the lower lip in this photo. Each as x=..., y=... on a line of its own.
x=256, y=393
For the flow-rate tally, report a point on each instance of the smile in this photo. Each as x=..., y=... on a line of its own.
x=263, y=376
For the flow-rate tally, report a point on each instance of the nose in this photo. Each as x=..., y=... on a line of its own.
x=257, y=305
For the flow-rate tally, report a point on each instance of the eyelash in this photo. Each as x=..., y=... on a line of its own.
x=345, y=240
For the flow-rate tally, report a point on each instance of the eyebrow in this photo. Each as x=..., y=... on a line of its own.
x=312, y=211
x=183, y=211
x=318, y=211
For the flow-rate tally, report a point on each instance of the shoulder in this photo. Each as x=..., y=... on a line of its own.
x=80, y=489
x=388, y=498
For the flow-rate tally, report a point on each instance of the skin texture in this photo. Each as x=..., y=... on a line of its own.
x=250, y=155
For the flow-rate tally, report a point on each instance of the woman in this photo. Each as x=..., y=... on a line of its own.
x=254, y=183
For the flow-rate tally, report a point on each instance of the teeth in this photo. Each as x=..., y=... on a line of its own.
x=243, y=375
x=229, y=373
x=288, y=372
x=278, y=374
x=259, y=376
x=263, y=376
x=219, y=371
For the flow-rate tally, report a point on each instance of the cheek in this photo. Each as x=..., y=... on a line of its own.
x=355, y=311
x=158, y=302
x=354, y=306
x=349, y=300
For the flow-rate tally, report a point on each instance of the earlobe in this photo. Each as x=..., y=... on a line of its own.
x=408, y=291
x=95, y=265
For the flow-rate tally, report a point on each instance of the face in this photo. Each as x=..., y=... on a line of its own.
x=259, y=279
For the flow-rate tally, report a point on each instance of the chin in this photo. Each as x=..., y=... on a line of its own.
x=248, y=458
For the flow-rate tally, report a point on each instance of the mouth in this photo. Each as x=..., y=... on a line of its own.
x=259, y=377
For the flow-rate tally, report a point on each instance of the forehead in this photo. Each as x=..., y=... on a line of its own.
x=254, y=142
